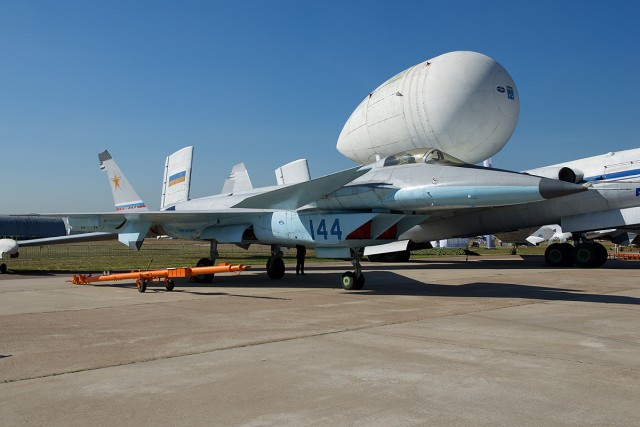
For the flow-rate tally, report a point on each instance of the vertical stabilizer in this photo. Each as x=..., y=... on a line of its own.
x=177, y=177
x=238, y=180
x=124, y=196
x=293, y=173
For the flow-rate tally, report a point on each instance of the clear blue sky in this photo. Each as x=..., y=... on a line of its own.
x=268, y=82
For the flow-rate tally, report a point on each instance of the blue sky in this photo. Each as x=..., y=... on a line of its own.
x=268, y=82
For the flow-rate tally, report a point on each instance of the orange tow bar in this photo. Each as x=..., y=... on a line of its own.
x=143, y=277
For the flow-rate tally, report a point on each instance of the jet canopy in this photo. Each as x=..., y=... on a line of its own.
x=433, y=156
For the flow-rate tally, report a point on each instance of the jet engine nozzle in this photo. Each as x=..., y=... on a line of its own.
x=552, y=188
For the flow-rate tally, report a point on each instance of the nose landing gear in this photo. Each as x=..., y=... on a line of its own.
x=354, y=280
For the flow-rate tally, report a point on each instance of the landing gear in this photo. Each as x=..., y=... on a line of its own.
x=207, y=262
x=354, y=280
x=584, y=254
x=204, y=278
x=275, y=264
x=351, y=282
x=590, y=255
x=559, y=255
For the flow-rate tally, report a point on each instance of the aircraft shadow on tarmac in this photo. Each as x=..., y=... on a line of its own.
x=526, y=262
x=383, y=279
x=383, y=282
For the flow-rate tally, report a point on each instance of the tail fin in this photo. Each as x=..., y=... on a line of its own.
x=124, y=196
x=293, y=173
x=177, y=177
x=238, y=180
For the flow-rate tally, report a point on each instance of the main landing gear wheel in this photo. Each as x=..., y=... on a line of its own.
x=204, y=278
x=590, y=255
x=275, y=267
x=559, y=255
x=351, y=282
x=584, y=255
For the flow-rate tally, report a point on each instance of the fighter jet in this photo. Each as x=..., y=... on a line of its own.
x=337, y=215
x=613, y=202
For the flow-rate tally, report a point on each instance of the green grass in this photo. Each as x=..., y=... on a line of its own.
x=113, y=256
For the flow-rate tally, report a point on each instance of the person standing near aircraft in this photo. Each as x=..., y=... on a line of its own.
x=301, y=252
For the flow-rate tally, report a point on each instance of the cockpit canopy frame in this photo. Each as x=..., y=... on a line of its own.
x=432, y=156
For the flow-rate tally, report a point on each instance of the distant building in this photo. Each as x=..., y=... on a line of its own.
x=31, y=227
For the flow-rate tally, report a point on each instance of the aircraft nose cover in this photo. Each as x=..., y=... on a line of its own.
x=463, y=103
x=551, y=188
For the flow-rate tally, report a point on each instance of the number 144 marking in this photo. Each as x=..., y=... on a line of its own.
x=321, y=230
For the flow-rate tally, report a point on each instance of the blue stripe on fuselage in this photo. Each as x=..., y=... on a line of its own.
x=615, y=175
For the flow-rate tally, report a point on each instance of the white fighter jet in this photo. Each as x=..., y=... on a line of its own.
x=338, y=215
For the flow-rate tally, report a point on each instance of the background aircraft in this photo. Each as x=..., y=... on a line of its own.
x=36, y=231
x=462, y=103
x=25, y=226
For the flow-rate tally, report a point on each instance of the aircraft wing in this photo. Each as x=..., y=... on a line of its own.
x=297, y=195
x=114, y=221
x=72, y=238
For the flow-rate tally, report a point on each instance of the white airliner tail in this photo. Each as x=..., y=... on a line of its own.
x=124, y=196
x=177, y=177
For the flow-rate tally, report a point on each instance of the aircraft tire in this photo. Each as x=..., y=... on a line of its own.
x=359, y=282
x=391, y=257
x=567, y=258
x=590, y=255
x=559, y=255
x=204, y=278
x=275, y=267
x=584, y=255
x=398, y=256
x=348, y=280
x=603, y=255
x=3, y=268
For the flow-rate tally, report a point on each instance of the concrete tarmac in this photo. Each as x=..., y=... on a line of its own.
x=491, y=341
